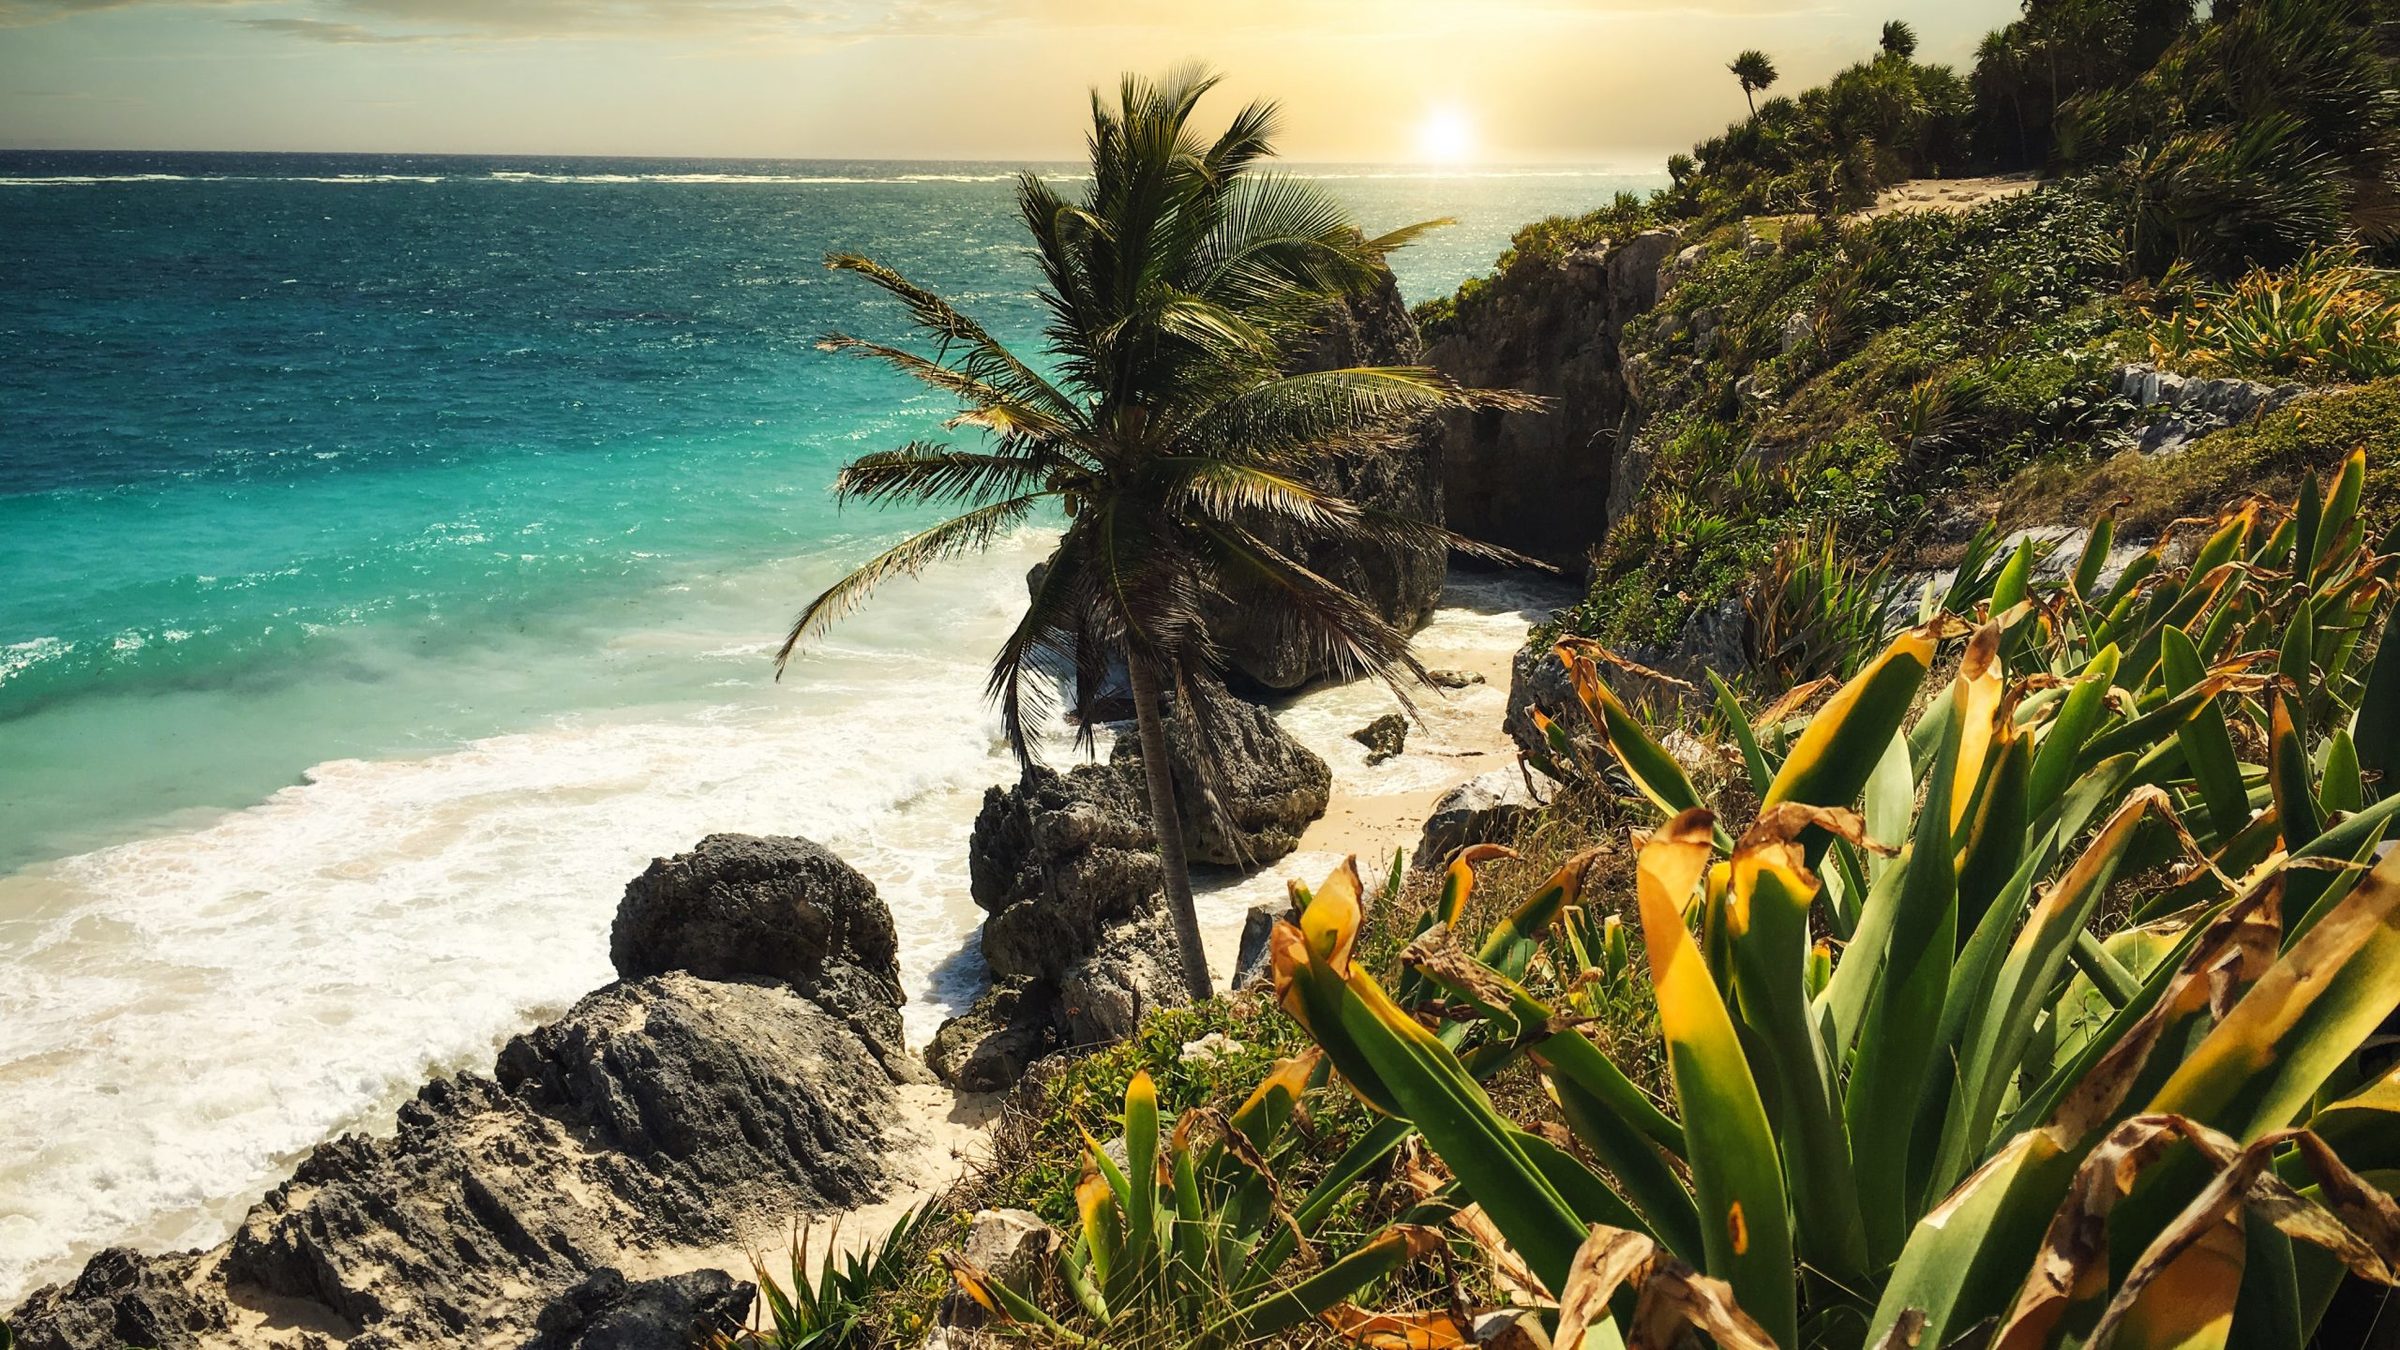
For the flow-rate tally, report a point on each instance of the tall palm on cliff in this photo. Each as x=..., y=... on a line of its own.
x=1756, y=71
x=1160, y=424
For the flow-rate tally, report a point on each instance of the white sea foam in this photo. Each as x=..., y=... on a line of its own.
x=187, y=1013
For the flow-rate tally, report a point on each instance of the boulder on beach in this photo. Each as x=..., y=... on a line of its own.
x=776, y=906
x=655, y=1115
x=1061, y=857
x=609, y=1312
x=1385, y=737
x=1487, y=809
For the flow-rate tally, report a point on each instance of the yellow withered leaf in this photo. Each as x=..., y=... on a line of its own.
x=1330, y=923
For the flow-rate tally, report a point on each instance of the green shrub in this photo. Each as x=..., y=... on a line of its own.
x=2269, y=456
x=2326, y=318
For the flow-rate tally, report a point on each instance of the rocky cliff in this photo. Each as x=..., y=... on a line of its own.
x=1067, y=869
x=732, y=1072
x=1402, y=584
x=1540, y=481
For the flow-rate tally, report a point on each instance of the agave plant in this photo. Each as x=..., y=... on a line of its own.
x=1915, y=1092
x=2327, y=316
x=1192, y=1240
x=825, y=1306
x=1816, y=612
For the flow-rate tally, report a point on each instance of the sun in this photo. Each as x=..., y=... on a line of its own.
x=1446, y=136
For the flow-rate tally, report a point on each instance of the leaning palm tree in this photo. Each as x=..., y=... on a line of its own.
x=1756, y=71
x=1161, y=426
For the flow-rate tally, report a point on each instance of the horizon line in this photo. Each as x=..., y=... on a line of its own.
x=1609, y=163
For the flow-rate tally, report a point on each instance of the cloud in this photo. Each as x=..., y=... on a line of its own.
x=17, y=13
x=325, y=30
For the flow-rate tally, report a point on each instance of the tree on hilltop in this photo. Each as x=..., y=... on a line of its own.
x=1756, y=71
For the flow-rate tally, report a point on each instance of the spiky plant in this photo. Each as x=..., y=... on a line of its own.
x=1899, y=39
x=1159, y=421
x=1997, y=1116
x=825, y=1306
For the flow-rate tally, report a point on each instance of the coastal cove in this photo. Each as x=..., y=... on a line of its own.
x=458, y=571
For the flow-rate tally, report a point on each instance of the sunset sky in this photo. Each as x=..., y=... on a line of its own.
x=1477, y=81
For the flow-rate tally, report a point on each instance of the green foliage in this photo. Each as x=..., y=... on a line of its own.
x=2326, y=318
x=1186, y=1236
x=2029, y=71
x=1554, y=237
x=2269, y=456
x=827, y=1308
x=1830, y=149
x=1756, y=71
x=1955, y=1121
x=1818, y=611
x=1941, y=350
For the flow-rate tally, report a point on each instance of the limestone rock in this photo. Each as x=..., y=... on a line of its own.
x=781, y=907
x=653, y=1114
x=1487, y=809
x=1384, y=737
x=123, y=1298
x=1266, y=789
x=608, y=1312
x=1539, y=481
x=1454, y=679
x=1401, y=584
x=1134, y=969
x=989, y=1047
x=1055, y=860
x=1059, y=858
x=1251, y=963
x=1012, y=1246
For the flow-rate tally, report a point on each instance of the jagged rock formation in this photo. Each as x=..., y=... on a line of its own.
x=779, y=907
x=1065, y=866
x=1487, y=809
x=654, y=1114
x=1540, y=482
x=2191, y=406
x=1384, y=737
x=1402, y=584
x=1060, y=857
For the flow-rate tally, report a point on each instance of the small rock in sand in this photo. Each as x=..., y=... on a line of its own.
x=1453, y=679
x=1384, y=737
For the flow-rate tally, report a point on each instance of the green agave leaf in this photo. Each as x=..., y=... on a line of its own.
x=1732, y=1150
x=1830, y=764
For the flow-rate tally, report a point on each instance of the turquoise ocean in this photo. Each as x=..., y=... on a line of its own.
x=391, y=553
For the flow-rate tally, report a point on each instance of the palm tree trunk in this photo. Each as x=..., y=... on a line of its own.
x=1167, y=825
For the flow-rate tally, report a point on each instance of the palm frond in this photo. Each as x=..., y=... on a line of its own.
x=988, y=361
x=922, y=471
x=1232, y=493
x=988, y=405
x=953, y=538
x=1345, y=634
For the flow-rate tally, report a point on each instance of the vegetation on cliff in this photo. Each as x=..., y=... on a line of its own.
x=2032, y=981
